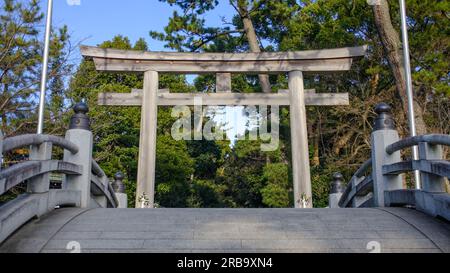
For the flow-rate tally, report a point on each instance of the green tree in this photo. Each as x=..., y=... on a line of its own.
x=21, y=65
x=339, y=136
x=275, y=193
x=174, y=168
x=20, y=72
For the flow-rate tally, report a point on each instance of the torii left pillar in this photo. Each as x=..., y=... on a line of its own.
x=299, y=142
x=145, y=189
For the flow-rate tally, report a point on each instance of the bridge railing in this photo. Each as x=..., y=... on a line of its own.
x=384, y=184
x=40, y=163
x=359, y=191
x=84, y=184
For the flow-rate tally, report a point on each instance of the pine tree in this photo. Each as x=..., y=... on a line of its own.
x=21, y=65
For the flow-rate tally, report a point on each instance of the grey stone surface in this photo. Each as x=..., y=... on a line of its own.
x=25, y=207
x=122, y=199
x=434, y=204
x=333, y=200
x=233, y=230
x=82, y=183
x=381, y=183
x=37, y=233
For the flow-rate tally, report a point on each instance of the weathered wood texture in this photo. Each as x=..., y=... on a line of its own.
x=205, y=67
x=299, y=139
x=223, y=82
x=166, y=99
x=339, y=59
x=147, y=143
x=108, y=53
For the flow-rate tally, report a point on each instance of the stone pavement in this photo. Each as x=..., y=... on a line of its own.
x=233, y=230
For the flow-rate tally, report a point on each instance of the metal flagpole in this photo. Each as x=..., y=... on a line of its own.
x=48, y=27
x=409, y=91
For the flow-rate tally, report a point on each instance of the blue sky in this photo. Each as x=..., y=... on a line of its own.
x=95, y=21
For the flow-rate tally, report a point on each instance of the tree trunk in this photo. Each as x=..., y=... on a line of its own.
x=316, y=143
x=252, y=41
x=392, y=46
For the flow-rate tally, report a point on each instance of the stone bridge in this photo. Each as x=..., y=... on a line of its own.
x=361, y=230
x=88, y=213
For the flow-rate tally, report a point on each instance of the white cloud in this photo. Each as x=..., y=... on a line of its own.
x=73, y=2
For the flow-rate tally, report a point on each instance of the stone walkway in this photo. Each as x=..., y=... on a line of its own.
x=232, y=230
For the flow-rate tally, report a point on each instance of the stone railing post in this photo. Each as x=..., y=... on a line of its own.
x=40, y=184
x=119, y=189
x=337, y=188
x=80, y=134
x=431, y=183
x=384, y=133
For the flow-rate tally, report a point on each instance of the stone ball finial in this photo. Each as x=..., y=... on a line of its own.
x=119, y=176
x=338, y=176
x=81, y=108
x=118, y=185
x=384, y=120
x=80, y=119
x=382, y=108
x=337, y=185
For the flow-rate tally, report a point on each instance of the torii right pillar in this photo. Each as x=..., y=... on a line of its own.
x=301, y=172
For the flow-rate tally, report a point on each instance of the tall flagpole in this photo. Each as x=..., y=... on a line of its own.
x=409, y=91
x=48, y=27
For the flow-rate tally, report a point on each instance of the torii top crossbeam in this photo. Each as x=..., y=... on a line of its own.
x=339, y=59
x=223, y=64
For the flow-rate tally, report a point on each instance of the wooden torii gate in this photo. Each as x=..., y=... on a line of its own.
x=223, y=64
